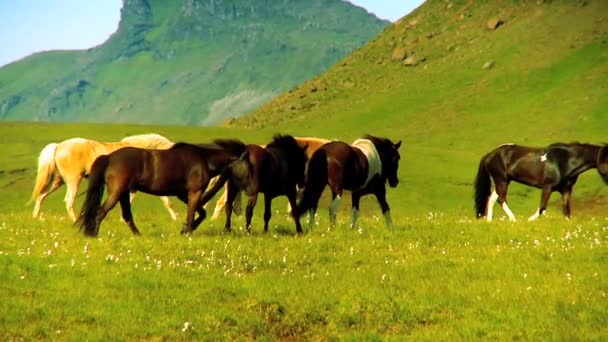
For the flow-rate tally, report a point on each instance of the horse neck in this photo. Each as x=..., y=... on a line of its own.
x=590, y=153
x=218, y=160
x=587, y=160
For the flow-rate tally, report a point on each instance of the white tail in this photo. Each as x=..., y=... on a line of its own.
x=46, y=170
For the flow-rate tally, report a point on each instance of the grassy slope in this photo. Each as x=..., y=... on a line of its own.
x=548, y=84
x=439, y=275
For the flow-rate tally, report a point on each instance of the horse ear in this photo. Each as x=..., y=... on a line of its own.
x=397, y=145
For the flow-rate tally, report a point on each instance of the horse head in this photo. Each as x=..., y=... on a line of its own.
x=389, y=155
x=602, y=163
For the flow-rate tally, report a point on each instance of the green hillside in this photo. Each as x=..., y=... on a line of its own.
x=186, y=62
x=545, y=80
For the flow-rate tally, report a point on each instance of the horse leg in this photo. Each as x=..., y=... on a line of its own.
x=566, y=194
x=386, y=211
x=501, y=191
x=356, y=197
x=193, y=203
x=267, y=211
x=335, y=184
x=292, y=197
x=333, y=207
x=57, y=182
x=231, y=193
x=544, y=199
x=201, y=216
x=167, y=203
x=221, y=203
x=72, y=185
x=253, y=199
x=127, y=215
x=108, y=204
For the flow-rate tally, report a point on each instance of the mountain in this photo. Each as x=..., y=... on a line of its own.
x=465, y=73
x=192, y=62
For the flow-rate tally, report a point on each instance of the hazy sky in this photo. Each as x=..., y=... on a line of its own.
x=28, y=26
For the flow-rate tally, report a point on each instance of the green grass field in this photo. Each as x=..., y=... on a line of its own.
x=438, y=275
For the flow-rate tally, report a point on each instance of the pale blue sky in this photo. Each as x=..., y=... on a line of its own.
x=29, y=26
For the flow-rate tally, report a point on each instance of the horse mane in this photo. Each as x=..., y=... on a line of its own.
x=234, y=146
x=558, y=144
x=283, y=140
x=288, y=145
x=378, y=141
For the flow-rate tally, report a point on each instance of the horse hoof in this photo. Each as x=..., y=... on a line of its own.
x=185, y=230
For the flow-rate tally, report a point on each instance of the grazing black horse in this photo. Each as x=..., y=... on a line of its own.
x=552, y=168
x=363, y=168
x=273, y=170
x=184, y=170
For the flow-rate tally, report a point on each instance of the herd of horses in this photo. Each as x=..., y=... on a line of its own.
x=299, y=168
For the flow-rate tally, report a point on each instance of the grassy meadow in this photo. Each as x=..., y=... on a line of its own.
x=439, y=274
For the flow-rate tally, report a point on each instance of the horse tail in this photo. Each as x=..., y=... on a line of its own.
x=483, y=185
x=316, y=179
x=46, y=170
x=87, y=220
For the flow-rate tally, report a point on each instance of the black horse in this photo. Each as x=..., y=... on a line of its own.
x=273, y=170
x=552, y=168
x=363, y=168
x=184, y=170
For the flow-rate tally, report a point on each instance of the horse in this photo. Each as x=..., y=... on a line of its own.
x=184, y=171
x=273, y=170
x=363, y=167
x=310, y=144
x=552, y=168
x=70, y=160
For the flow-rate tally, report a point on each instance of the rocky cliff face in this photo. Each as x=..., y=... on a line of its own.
x=187, y=62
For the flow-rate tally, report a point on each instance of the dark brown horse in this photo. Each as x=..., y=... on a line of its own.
x=184, y=170
x=552, y=168
x=273, y=170
x=363, y=168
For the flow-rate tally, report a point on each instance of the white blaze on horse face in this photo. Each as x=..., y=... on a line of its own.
x=333, y=208
x=543, y=158
x=490, y=207
x=535, y=215
x=353, y=218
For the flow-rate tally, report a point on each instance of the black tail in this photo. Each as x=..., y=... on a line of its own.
x=87, y=220
x=483, y=185
x=316, y=179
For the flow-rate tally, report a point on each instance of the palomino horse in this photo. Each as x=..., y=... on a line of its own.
x=274, y=170
x=553, y=168
x=311, y=144
x=70, y=160
x=184, y=170
x=363, y=168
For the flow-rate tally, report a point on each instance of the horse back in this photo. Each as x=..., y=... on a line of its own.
x=75, y=156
